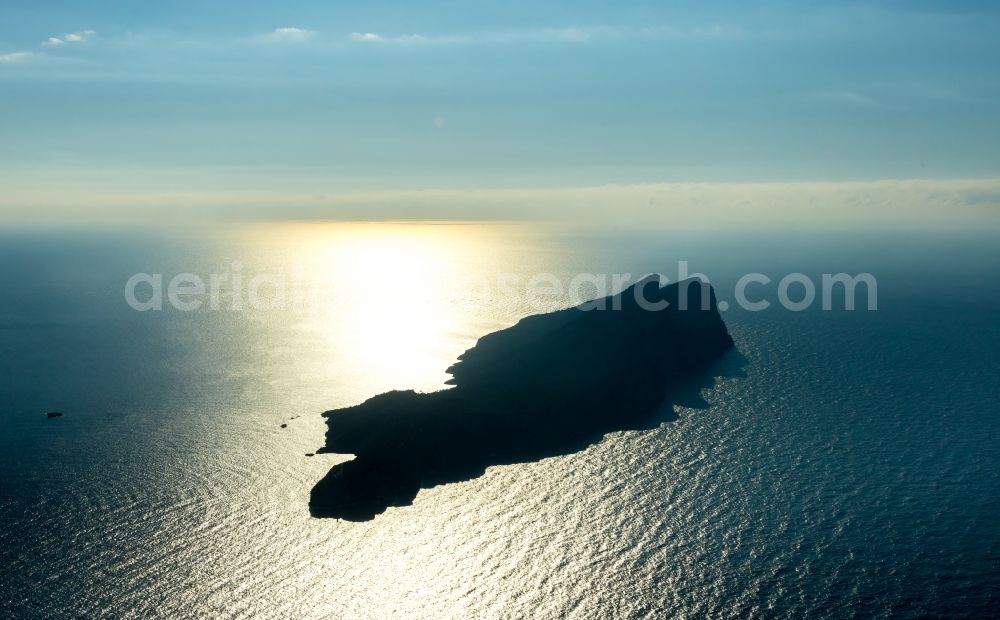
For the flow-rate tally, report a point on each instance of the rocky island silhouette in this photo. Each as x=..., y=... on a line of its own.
x=551, y=384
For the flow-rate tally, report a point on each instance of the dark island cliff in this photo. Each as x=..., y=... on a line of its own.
x=551, y=384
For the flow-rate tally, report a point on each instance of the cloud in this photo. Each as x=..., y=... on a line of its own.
x=848, y=98
x=288, y=34
x=584, y=34
x=439, y=122
x=888, y=205
x=559, y=35
x=371, y=37
x=550, y=35
x=884, y=205
x=365, y=36
x=535, y=35
x=15, y=56
x=80, y=36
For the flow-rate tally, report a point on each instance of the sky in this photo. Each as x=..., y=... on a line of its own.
x=318, y=107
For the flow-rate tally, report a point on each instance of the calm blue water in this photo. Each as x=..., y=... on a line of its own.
x=850, y=466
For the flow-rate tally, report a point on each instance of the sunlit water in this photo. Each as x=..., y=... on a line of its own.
x=853, y=469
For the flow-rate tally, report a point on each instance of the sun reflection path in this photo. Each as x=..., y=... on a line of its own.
x=388, y=307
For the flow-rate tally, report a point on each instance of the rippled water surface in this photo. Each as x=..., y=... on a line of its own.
x=849, y=465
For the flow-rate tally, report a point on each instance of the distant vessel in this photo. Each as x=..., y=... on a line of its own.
x=550, y=384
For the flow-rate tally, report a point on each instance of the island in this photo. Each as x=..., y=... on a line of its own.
x=551, y=384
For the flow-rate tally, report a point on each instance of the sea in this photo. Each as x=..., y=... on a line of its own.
x=844, y=464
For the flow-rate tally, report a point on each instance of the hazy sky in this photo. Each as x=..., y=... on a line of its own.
x=142, y=101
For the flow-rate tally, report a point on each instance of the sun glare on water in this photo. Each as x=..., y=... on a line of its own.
x=392, y=290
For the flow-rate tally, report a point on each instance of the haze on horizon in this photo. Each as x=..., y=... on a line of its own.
x=442, y=110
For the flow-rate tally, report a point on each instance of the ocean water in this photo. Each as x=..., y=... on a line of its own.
x=845, y=463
